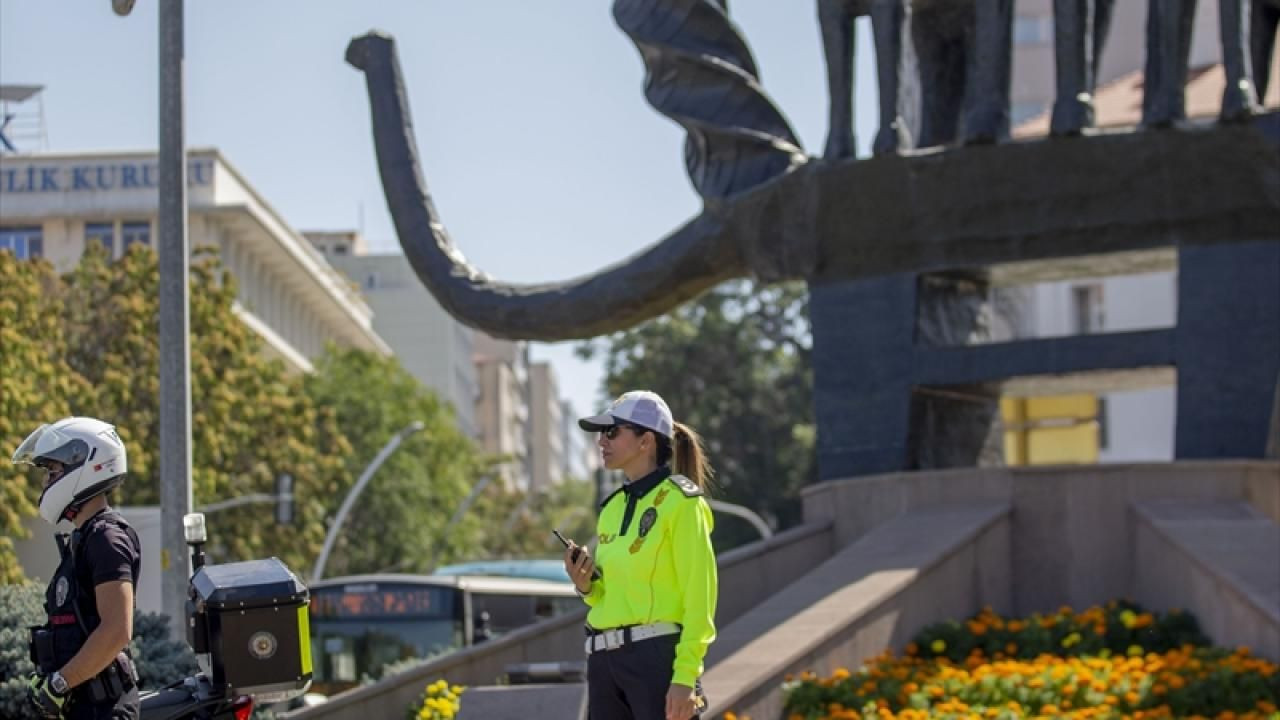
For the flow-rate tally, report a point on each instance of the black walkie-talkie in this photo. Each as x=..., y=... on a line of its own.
x=577, y=552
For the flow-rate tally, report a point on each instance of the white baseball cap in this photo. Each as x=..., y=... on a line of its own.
x=638, y=407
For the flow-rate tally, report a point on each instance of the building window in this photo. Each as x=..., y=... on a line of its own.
x=104, y=233
x=23, y=242
x=339, y=249
x=371, y=281
x=1032, y=30
x=132, y=233
x=1086, y=303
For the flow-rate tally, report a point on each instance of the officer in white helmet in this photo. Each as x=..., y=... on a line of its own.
x=83, y=666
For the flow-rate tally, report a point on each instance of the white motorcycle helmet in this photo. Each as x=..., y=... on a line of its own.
x=83, y=458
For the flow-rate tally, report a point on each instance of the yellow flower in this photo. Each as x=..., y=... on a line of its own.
x=938, y=646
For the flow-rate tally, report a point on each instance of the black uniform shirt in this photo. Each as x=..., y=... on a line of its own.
x=109, y=551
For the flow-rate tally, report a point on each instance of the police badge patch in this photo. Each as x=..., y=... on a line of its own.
x=647, y=520
x=60, y=591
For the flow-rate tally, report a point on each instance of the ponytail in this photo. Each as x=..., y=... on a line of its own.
x=690, y=456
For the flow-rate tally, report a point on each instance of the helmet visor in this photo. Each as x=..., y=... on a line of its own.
x=47, y=442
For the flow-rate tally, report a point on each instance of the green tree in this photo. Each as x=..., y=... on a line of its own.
x=733, y=364
x=35, y=385
x=524, y=522
x=250, y=420
x=397, y=523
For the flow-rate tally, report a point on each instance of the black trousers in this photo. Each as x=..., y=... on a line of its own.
x=124, y=708
x=631, y=683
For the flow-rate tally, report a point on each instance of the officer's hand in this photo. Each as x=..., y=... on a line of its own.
x=48, y=703
x=682, y=703
x=579, y=570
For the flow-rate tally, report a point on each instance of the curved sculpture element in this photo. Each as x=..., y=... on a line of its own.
x=699, y=72
x=695, y=257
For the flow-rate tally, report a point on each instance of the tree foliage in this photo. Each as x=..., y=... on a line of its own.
x=250, y=421
x=86, y=343
x=397, y=521
x=35, y=385
x=733, y=364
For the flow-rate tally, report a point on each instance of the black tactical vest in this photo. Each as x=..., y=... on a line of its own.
x=70, y=602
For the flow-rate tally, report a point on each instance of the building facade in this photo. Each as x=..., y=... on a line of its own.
x=53, y=204
x=433, y=346
x=546, y=427
x=581, y=454
x=503, y=407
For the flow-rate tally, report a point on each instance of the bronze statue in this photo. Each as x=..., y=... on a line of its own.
x=1248, y=39
x=868, y=235
x=1080, y=32
x=961, y=83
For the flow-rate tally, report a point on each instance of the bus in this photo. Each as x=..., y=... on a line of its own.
x=361, y=623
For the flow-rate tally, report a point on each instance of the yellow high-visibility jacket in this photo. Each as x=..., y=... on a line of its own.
x=662, y=569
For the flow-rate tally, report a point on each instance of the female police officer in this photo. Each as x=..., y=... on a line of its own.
x=653, y=601
x=83, y=669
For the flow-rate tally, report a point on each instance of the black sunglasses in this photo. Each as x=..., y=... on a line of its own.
x=611, y=432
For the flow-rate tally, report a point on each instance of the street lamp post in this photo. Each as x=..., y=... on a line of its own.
x=381, y=457
x=175, y=316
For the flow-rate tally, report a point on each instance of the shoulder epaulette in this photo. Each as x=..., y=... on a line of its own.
x=687, y=486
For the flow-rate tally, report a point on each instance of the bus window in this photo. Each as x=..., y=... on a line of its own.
x=357, y=629
x=506, y=612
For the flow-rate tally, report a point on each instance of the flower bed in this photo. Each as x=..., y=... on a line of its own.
x=439, y=701
x=1105, y=662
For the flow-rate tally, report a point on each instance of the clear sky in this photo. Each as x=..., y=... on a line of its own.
x=540, y=150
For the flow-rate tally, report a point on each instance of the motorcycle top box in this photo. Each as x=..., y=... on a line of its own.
x=251, y=618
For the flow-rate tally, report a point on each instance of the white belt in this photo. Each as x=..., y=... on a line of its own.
x=616, y=638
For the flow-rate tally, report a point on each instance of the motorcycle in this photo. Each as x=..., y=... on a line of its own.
x=248, y=651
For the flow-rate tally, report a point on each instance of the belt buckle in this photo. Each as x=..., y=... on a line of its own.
x=613, y=639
